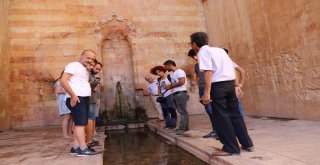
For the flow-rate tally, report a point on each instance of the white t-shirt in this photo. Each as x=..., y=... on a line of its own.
x=163, y=84
x=79, y=81
x=153, y=88
x=218, y=61
x=235, y=65
x=175, y=79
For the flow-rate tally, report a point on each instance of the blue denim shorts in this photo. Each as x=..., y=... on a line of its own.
x=80, y=111
x=92, y=111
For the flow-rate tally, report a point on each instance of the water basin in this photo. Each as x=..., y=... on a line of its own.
x=144, y=147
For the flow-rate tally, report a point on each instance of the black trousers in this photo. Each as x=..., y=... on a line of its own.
x=227, y=119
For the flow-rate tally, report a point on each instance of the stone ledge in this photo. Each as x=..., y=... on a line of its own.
x=202, y=148
x=123, y=126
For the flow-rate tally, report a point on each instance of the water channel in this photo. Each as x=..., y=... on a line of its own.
x=144, y=147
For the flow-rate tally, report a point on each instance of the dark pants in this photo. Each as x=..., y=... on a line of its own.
x=227, y=119
x=207, y=107
x=169, y=113
x=80, y=111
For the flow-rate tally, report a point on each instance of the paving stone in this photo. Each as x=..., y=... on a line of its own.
x=42, y=145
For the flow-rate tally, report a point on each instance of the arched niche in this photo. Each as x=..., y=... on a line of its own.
x=115, y=51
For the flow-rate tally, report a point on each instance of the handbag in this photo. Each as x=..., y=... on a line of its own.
x=160, y=99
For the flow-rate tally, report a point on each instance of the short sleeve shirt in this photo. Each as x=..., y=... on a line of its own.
x=153, y=88
x=57, y=83
x=200, y=75
x=175, y=79
x=79, y=81
x=235, y=65
x=93, y=84
x=163, y=84
x=218, y=61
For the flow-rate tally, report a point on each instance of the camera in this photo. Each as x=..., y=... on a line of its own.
x=98, y=79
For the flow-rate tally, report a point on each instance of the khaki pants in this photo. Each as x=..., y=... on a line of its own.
x=157, y=106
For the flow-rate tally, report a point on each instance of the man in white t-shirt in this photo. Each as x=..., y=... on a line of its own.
x=179, y=94
x=152, y=89
x=75, y=80
x=220, y=92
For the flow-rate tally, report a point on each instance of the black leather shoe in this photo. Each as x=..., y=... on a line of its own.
x=172, y=127
x=212, y=134
x=249, y=149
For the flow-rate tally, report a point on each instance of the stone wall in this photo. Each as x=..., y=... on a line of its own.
x=277, y=42
x=46, y=35
x=4, y=69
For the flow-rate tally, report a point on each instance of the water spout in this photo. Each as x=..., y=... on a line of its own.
x=121, y=111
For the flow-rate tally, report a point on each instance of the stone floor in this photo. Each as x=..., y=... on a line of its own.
x=40, y=145
x=277, y=142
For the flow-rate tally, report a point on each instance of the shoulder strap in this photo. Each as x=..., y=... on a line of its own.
x=169, y=78
x=159, y=78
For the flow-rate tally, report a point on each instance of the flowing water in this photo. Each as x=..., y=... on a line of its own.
x=143, y=147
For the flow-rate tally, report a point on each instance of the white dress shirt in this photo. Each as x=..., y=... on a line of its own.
x=218, y=61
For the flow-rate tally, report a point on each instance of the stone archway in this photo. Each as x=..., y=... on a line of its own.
x=116, y=54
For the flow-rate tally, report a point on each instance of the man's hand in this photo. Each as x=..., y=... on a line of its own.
x=205, y=99
x=74, y=100
x=239, y=92
x=168, y=87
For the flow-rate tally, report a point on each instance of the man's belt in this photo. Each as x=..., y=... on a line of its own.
x=178, y=92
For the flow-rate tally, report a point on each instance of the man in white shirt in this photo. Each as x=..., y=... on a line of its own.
x=75, y=80
x=220, y=92
x=239, y=83
x=179, y=94
x=152, y=89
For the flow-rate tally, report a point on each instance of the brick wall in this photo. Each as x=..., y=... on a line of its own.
x=46, y=35
x=4, y=69
x=277, y=42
